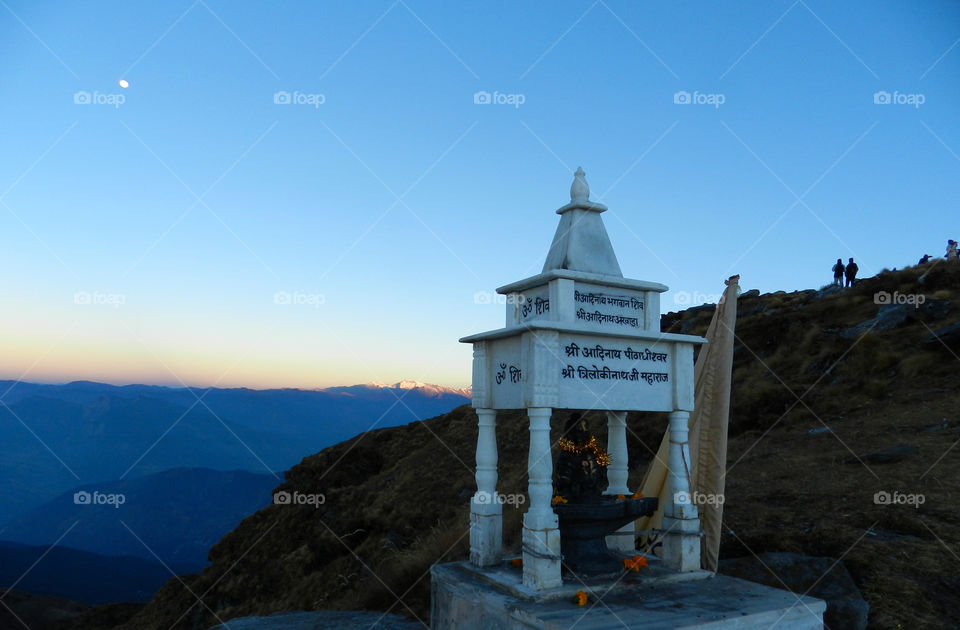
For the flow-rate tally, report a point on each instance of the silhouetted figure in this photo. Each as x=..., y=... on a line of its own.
x=851, y=272
x=838, y=272
x=951, y=250
x=924, y=260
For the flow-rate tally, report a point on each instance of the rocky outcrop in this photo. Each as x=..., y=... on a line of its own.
x=947, y=338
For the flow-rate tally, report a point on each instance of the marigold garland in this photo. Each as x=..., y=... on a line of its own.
x=580, y=598
x=517, y=562
x=558, y=499
x=598, y=453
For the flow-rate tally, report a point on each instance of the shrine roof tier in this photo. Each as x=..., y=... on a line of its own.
x=585, y=329
x=582, y=276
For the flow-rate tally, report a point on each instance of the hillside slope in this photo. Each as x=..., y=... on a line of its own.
x=835, y=398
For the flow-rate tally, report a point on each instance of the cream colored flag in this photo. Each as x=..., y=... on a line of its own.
x=708, y=431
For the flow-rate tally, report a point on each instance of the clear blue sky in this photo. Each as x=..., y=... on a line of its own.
x=102, y=200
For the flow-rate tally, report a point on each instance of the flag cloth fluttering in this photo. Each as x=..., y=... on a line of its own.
x=708, y=432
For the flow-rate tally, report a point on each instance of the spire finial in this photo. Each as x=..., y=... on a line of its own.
x=579, y=189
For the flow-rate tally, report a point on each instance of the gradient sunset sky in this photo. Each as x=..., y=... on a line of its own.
x=148, y=240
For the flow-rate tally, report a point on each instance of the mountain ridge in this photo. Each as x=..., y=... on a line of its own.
x=403, y=384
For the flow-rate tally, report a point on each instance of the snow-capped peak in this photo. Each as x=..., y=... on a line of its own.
x=410, y=385
x=428, y=388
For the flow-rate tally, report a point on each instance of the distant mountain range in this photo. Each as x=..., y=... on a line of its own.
x=174, y=516
x=57, y=437
x=189, y=464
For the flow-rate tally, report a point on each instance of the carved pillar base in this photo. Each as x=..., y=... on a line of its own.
x=486, y=511
x=486, y=533
x=541, y=531
x=681, y=523
x=681, y=543
x=541, y=555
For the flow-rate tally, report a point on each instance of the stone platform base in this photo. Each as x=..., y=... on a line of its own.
x=322, y=620
x=465, y=597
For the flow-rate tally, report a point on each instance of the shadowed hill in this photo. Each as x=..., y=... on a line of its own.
x=835, y=398
x=176, y=515
x=79, y=575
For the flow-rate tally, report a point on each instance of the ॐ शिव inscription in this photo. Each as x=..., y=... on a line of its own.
x=536, y=305
x=514, y=372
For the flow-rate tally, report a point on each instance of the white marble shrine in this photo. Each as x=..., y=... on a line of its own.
x=579, y=336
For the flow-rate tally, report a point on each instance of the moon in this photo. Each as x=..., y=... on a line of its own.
x=123, y=83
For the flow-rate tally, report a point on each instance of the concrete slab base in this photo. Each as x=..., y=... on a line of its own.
x=465, y=597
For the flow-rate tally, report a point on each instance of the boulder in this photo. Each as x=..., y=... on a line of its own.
x=885, y=456
x=948, y=336
x=888, y=317
x=830, y=289
x=934, y=308
x=824, y=578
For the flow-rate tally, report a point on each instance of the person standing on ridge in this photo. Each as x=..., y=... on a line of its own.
x=951, y=250
x=851, y=272
x=838, y=272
